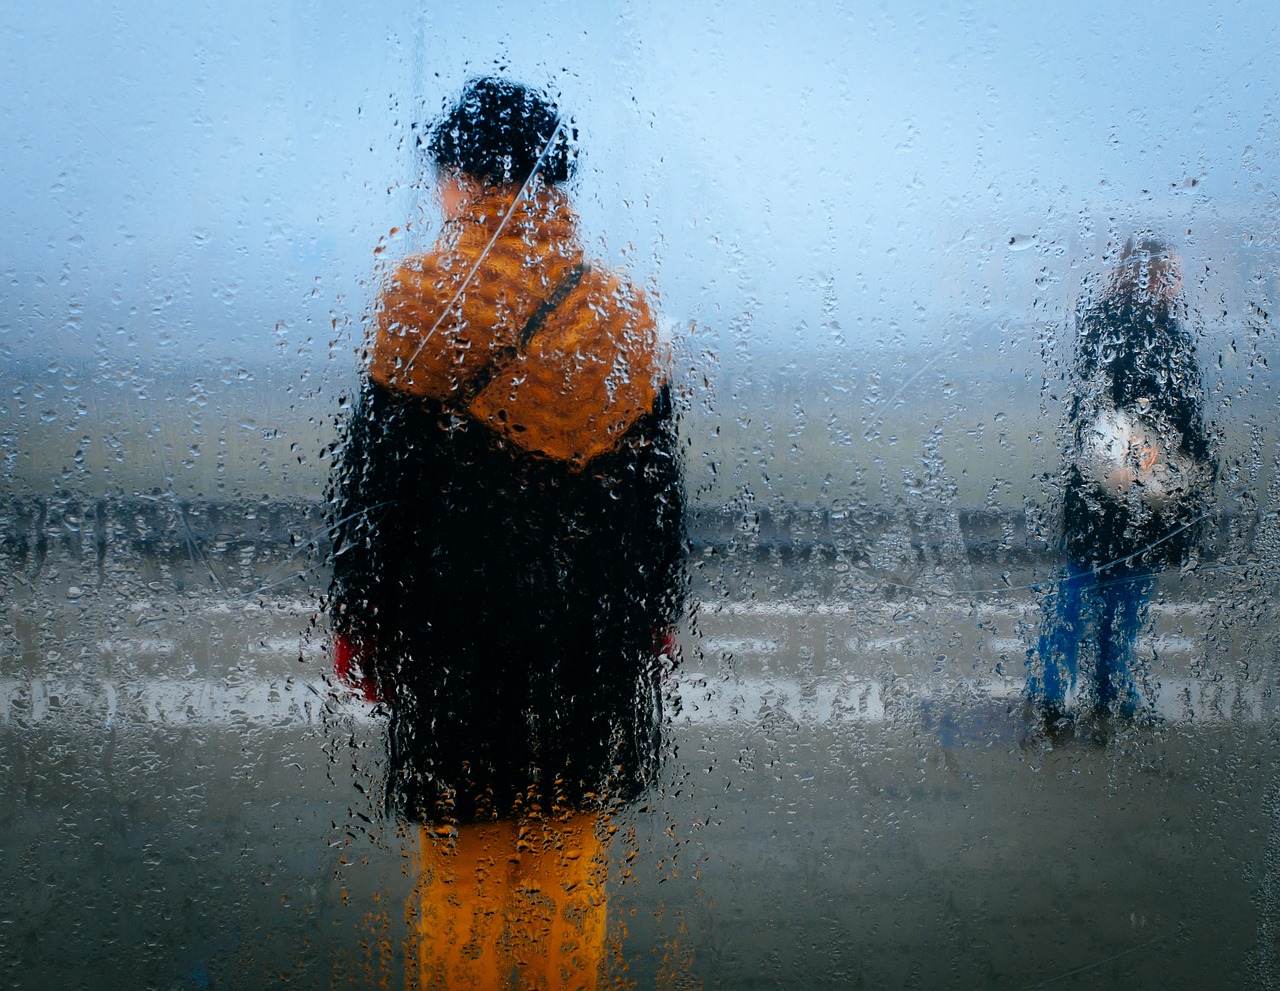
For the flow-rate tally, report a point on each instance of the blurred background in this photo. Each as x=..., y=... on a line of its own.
x=864, y=224
x=866, y=227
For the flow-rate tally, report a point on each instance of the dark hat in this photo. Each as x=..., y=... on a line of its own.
x=501, y=132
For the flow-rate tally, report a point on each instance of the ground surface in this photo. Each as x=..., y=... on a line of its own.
x=852, y=796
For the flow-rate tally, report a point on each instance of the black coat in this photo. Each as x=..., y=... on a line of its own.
x=1134, y=352
x=514, y=601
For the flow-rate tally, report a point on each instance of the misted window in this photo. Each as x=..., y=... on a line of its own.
x=659, y=498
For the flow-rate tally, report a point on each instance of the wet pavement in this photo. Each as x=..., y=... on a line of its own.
x=852, y=795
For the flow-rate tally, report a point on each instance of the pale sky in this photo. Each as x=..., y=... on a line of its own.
x=214, y=180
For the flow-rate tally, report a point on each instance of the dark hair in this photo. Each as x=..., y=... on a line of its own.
x=501, y=132
x=1144, y=255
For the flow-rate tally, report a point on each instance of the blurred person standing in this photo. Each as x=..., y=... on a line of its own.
x=1138, y=475
x=508, y=530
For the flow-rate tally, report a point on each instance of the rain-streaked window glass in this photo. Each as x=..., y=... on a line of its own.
x=657, y=497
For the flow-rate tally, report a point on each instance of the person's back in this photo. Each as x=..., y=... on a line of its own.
x=507, y=519
x=509, y=502
x=1137, y=481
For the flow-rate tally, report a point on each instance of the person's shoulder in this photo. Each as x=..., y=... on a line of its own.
x=424, y=275
x=615, y=285
x=1106, y=302
x=1093, y=312
x=421, y=262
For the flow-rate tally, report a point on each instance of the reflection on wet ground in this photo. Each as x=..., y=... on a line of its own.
x=852, y=795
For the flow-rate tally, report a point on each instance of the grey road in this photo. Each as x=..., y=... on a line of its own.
x=851, y=795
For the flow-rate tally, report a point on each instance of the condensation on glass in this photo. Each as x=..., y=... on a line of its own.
x=970, y=322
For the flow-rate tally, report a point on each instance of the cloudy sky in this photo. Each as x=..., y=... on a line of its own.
x=214, y=179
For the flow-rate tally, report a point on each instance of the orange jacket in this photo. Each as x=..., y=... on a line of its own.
x=450, y=322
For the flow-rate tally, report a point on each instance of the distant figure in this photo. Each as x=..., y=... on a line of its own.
x=508, y=513
x=1138, y=480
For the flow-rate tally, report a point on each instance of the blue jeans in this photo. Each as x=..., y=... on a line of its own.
x=1101, y=614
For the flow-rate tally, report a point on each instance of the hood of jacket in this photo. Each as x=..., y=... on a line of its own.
x=453, y=325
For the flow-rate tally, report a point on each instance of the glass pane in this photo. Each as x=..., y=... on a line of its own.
x=820, y=533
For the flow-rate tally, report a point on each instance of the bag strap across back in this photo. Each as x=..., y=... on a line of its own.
x=469, y=390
